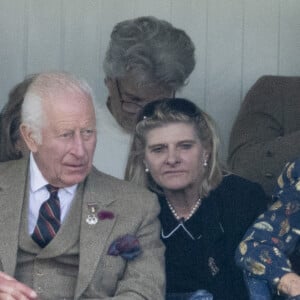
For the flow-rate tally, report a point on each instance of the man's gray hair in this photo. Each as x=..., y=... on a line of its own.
x=45, y=86
x=153, y=50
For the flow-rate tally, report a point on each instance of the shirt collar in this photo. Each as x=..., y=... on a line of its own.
x=38, y=181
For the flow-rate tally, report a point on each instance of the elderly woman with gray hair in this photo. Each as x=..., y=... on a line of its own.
x=205, y=210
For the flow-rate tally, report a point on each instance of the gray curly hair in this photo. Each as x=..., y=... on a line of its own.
x=151, y=49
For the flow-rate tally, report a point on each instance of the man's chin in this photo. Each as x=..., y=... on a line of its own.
x=74, y=177
x=128, y=123
x=72, y=180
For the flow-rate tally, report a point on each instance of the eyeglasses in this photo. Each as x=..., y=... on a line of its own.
x=134, y=100
x=171, y=105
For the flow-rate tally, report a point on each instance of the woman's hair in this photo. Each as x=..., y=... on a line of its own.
x=160, y=113
x=151, y=49
x=11, y=119
x=46, y=86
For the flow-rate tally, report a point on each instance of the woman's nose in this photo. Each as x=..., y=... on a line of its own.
x=173, y=157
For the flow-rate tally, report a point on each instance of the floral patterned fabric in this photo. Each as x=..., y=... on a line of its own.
x=268, y=243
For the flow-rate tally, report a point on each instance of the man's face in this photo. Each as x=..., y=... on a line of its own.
x=127, y=98
x=68, y=139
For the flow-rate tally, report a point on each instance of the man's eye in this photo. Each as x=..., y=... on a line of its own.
x=186, y=146
x=87, y=132
x=66, y=135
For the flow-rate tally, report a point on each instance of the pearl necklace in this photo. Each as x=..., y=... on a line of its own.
x=194, y=208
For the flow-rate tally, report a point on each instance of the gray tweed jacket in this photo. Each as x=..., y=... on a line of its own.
x=101, y=276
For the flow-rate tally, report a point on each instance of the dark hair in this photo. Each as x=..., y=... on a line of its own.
x=165, y=111
x=11, y=119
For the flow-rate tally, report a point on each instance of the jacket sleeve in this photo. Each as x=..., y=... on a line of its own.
x=265, y=247
x=260, y=145
x=144, y=277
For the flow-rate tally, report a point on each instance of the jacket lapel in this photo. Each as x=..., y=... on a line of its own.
x=12, y=191
x=93, y=237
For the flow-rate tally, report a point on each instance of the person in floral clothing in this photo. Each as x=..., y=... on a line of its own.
x=266, y=248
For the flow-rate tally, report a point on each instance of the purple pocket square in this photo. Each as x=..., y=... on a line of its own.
x=105, y=214
x=126, y=246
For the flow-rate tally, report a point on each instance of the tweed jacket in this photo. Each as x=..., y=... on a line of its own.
x=266, y=133
x=133, y=210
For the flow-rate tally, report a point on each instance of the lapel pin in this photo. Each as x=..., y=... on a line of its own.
x=91, y=218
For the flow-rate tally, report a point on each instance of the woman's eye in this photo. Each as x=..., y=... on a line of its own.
x=158, y=149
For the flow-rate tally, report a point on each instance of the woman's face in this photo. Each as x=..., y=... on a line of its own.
x=175, y=156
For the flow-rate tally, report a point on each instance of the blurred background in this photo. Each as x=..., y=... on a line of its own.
x=236, y=42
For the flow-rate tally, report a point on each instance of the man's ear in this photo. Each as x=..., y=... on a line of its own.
x=28, y=138
x=109, y=82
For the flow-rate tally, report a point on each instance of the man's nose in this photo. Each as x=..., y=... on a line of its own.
x=78, y=147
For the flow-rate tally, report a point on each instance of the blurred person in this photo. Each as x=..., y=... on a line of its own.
x=270, y=250
x=67, y=230
x=12, y=145
x=205, y=210
x=266, y=132
x=147, y=59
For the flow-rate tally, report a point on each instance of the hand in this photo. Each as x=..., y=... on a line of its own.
x=289, y=284
x=11, y=289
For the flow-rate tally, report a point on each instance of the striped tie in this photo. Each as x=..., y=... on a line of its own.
x=48, y=222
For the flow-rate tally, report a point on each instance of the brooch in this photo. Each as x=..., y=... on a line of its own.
x=213, y=266
x=91, y=218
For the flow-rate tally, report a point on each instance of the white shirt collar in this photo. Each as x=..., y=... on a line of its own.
x=38, y=181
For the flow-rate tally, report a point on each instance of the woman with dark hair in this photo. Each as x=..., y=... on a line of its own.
x=205, y=210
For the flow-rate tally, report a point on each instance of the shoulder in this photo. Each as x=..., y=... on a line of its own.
x=122, y=191
x=107, y=180
x=240, y=196
x=11, y=169
x=269, y=83
x=232, y=183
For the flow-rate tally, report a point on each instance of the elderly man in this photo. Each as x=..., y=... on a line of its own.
x=147, y=59
x=67, y=230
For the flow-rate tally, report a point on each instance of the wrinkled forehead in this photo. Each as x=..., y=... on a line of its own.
x=65, y=103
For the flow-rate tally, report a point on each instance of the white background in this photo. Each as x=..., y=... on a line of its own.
x=236, y=41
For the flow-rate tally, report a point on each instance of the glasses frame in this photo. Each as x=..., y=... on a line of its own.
x=132, y=99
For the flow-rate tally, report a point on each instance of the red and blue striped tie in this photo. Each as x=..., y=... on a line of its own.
x=48, y=222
